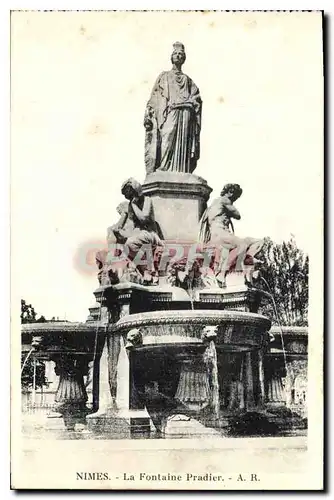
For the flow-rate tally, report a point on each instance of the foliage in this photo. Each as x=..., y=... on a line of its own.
x=27, y=376
x=28, y=314
x=284, y=274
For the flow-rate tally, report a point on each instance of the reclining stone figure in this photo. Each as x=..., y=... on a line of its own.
x=217, y=231
x=136, y=229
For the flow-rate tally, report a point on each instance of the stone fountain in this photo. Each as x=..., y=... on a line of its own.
x=176, y=332
x=179, y=300
x=71, y=347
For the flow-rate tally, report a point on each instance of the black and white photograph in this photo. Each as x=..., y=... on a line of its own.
x=167, y=250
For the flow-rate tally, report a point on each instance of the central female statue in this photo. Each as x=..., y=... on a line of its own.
x=173, y=120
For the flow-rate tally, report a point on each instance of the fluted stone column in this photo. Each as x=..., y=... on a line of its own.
x=248, y=381
x=71, y=395
x=275, y=371
x=193, y=389
x=276, y=393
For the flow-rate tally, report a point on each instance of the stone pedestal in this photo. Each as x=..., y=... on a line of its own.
x=179, y=201
x=234, y=298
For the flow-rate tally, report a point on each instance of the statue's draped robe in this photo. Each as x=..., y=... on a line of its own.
x=173, y=143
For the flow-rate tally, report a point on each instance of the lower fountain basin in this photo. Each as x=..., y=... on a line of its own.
x=236, y=330
x=58, y=335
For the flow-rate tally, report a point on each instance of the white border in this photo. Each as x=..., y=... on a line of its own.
x=165, y=5
x=4, y=113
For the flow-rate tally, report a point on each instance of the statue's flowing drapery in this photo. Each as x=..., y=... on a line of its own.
x=174, y=110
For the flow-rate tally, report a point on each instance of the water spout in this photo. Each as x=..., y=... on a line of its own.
x=271, y=296
x=26, y=359
x=190, y=292
x=210, y=359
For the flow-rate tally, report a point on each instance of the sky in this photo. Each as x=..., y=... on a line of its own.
x=79, y=86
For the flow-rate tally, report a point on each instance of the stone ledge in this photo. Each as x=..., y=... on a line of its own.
x=200, y=317
x=240, y=298
x=60, y=328
x=171, y=184
x=294, y=331
x=174, y=177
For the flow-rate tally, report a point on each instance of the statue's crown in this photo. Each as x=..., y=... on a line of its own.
x=178, y=46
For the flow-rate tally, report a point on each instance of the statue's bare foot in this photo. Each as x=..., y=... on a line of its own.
x=155, y=280
x=257, y=261
x=221, y=279
x=248, y=282
x=147, y=278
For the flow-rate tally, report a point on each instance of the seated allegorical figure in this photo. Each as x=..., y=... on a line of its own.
x=217, y=230
x=136, y=226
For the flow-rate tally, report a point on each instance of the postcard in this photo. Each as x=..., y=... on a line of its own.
x=166, y=250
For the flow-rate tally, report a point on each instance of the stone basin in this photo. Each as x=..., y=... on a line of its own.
x=73, y=348
x=236, y=330
x=59, y=335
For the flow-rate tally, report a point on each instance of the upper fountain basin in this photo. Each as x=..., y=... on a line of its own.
x=236, y=330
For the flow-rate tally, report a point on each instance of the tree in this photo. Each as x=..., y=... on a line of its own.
x=28, y=314
x=27, y=375
x=285, y=276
